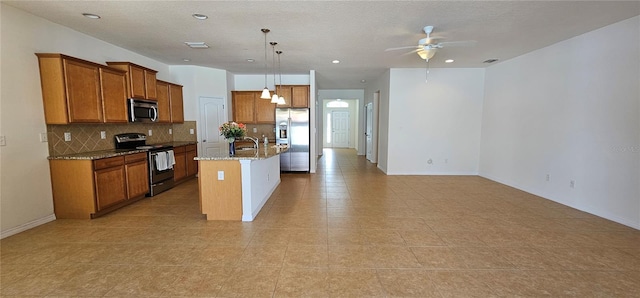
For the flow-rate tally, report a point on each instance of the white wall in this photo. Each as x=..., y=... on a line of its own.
x=572, y=111
x=256, y=82
x=439, y=120
x=199, y=81
x=26, y=198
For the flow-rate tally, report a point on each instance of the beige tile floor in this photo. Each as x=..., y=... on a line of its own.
x=347, y=231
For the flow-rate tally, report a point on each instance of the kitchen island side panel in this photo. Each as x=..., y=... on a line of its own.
x=220, y=199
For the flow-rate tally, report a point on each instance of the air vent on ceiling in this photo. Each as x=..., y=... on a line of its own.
x=489, y=60
x=196, y=45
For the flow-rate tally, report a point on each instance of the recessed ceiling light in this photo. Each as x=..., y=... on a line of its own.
x=251, y=60
x=335, y=61
x=448, y=61
x=199, y=16
x=363, y=81
x=197, y=45
x=186, y=59
x=91, y=16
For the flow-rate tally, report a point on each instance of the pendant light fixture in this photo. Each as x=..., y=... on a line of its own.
x=281, y=100
x=274, y=99
x=265, y=92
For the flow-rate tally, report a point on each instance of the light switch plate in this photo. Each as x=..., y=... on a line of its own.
x=150, y=132
x=103, y=134
x=43, y=137
x=67, y=137
x=221, y=175
x=3, y=141
x=170, y=131
x=255, y=129
x=190, y=130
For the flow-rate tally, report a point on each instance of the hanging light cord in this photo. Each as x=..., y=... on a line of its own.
x=265, y=31
x=273, y=45
x=279, y=69
x=426, y=76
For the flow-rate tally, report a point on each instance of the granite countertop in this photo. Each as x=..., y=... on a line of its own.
x=262, y=153
x=112, y=152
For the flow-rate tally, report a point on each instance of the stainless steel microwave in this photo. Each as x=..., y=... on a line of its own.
x=142, y=110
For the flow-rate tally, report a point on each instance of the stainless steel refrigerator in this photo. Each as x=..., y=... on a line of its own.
x=292, y=128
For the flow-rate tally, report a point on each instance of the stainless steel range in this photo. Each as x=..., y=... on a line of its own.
x=159, y=157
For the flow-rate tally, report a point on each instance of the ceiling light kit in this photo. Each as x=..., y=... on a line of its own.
x=265, y=92
x=335, y=61
x=490, y=60
x=448, y=61
x=427, y=47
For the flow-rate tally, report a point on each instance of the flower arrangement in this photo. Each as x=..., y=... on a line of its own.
x=232, y=130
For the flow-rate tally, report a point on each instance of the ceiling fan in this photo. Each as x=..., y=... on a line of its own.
x=427, y=47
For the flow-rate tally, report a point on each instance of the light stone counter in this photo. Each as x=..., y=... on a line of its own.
x=251, y=154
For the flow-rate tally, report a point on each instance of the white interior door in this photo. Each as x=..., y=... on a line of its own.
x=212, y=114
x=368, y=134
x=340, y=128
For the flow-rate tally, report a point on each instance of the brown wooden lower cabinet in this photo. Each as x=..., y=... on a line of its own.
x=180, y=168
x=111, y=186
x=137, y=171
x=185, y=166
x=192, y=165
x=90, y=188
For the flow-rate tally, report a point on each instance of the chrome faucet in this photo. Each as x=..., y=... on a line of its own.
x=255, y=142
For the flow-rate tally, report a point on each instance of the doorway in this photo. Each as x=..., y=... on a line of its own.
x=212, y=113
x=339, y=129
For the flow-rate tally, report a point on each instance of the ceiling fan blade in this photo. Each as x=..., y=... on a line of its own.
x=411, y=52
x=401, y=48
x=462, y=43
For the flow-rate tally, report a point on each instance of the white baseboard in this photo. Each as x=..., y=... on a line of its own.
x=30, y=225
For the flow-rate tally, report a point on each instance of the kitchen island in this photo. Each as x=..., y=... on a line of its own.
x=237, y=187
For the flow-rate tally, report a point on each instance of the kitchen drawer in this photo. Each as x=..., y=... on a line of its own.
x=135, y=157
x=108, y=162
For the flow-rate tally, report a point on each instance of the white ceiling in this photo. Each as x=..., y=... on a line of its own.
x=313, y=33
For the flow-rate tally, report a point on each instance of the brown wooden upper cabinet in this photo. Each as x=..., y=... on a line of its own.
x=295, y=96
x=141, y=81
x=170, y=105
x=249, y=108
x=79, y=91
x=176, y=103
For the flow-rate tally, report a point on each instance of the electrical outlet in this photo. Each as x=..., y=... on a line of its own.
x=190, y=131
x=220, y=175
x=255, y=129
x=103, y=134
x=150, y=132
x=67, y=137
x=43, y=137
x=170, y=131
x=572, y=184
x=547, y=178
x=3, y=141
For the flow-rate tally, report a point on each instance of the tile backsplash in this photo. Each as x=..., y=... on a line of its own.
x=262, y=129
x=86, y=137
